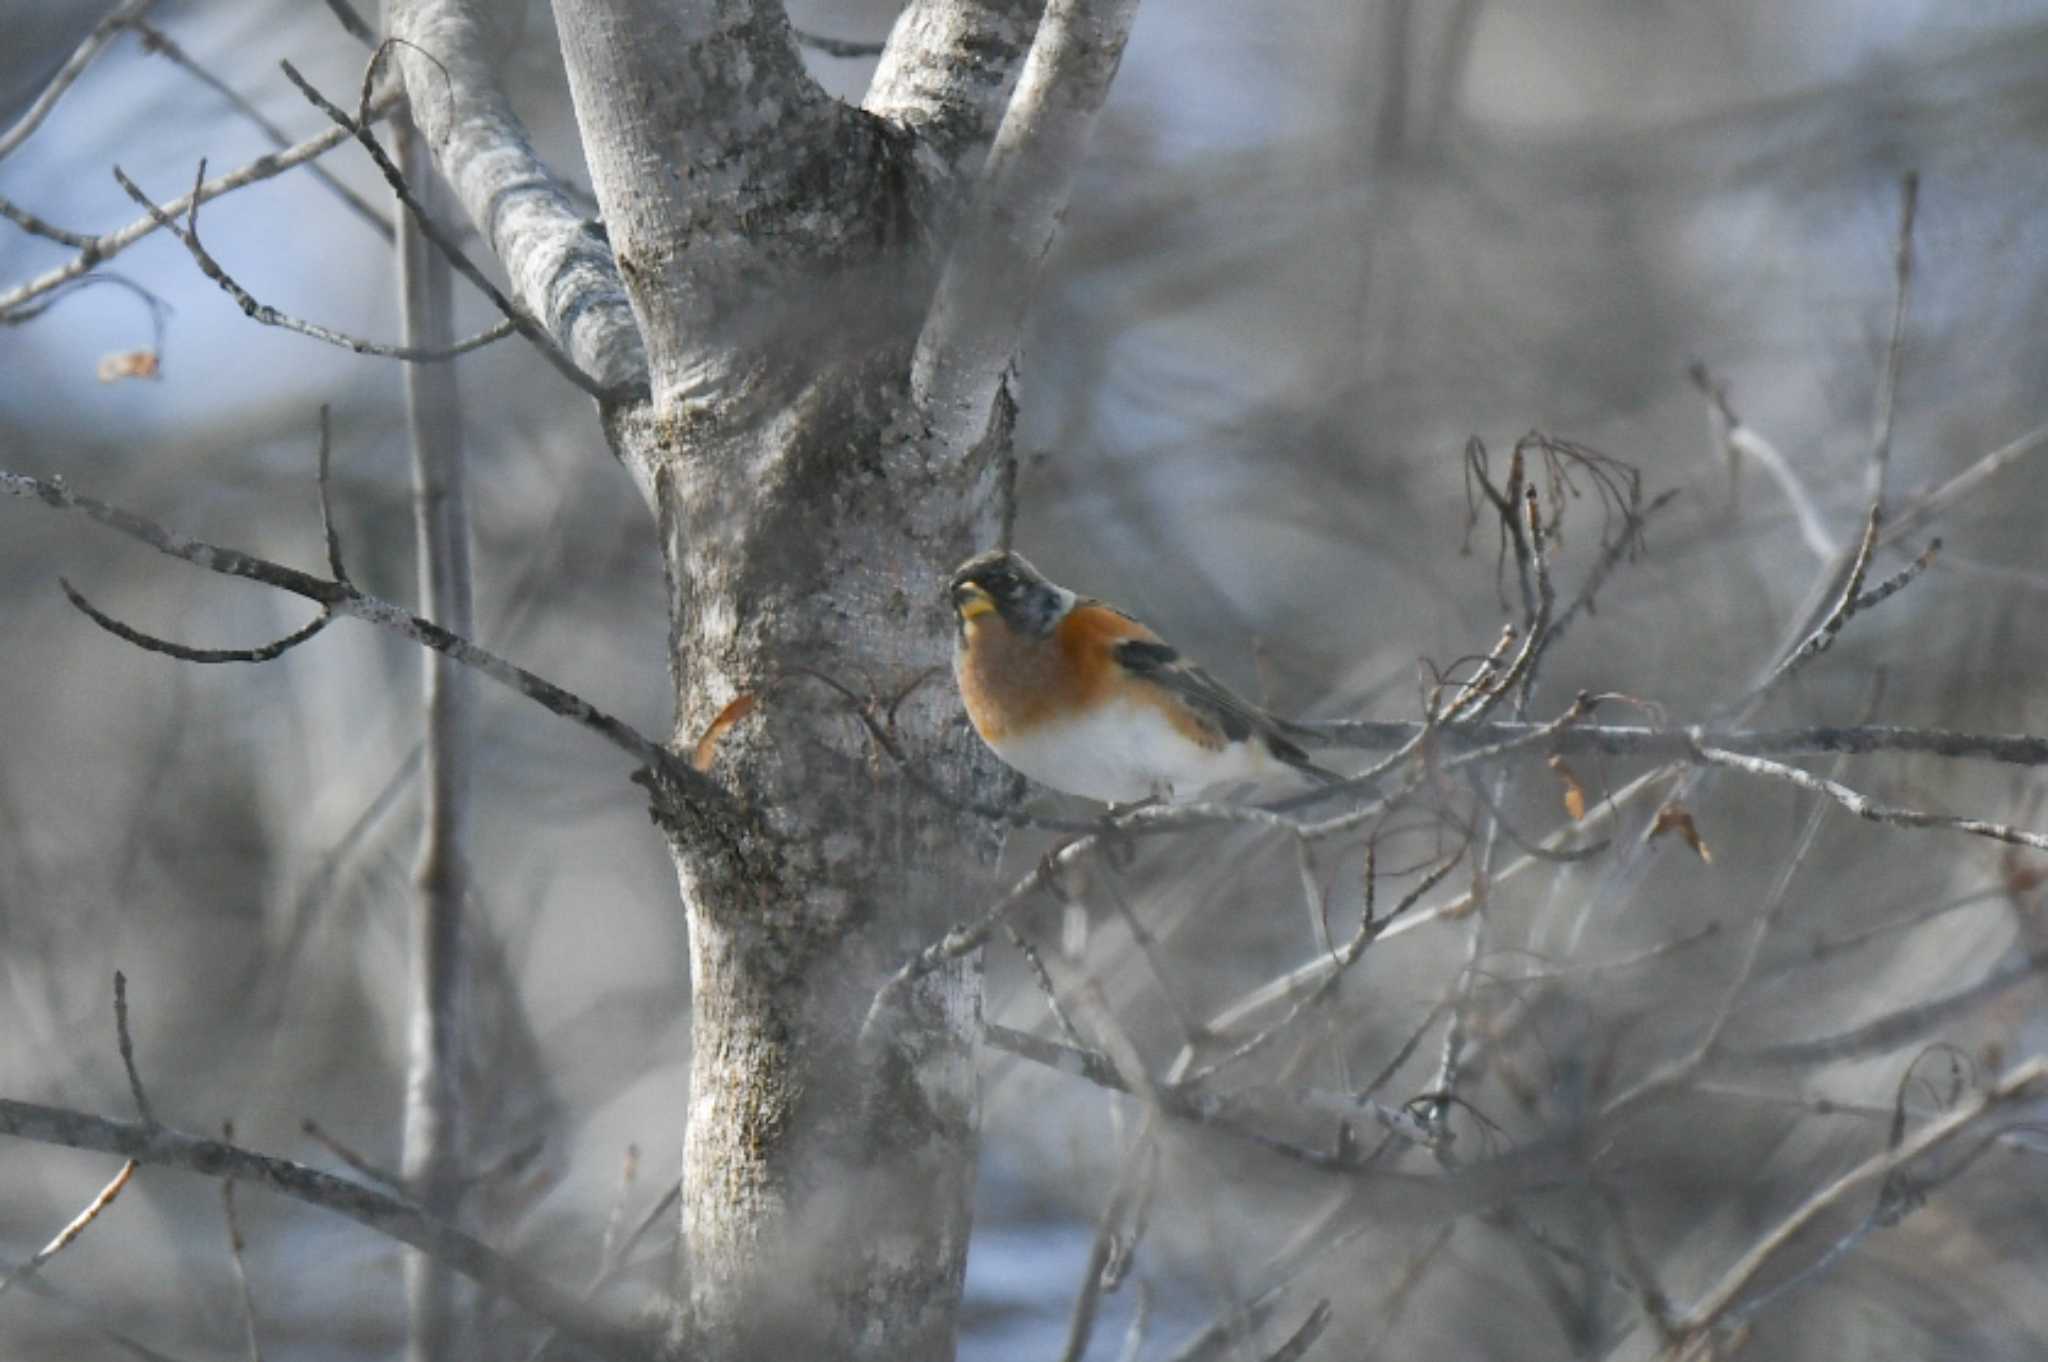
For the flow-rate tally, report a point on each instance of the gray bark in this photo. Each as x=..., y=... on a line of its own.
x=779, y=250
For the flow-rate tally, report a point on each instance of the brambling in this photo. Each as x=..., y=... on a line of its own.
x=1081, y=697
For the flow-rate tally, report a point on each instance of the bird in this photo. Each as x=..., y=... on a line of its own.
x=1081, y=697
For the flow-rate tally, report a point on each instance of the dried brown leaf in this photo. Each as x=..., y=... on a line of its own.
x=129, y=364
x=707, y=746
x=1574, y=792
x=1679, y=817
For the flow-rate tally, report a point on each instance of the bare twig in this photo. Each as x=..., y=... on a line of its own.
x=267, y=315
x=360, y=1165
x=35, y=226
x=105, y=247
x=1137, y=1168
x=522, y=322
x=105, y=31
x=234, y=1224
x=1888, y=381
x=128, y=633
x=608, y=1251
x=836, y=47
x=126, y=1041
x=352, y=23
x=436, y=1115
x=2014, y=1086
x=1906, y=1026
x=343, y=598
x=1918, y=510
x=1305, y=1337
x=970, y=333
x=323, y=458
x=1673, y=743
x=156, y=40
x=1863, y=806
x=1760, y=925
x=70, y=1232
x=1389, y=1313
x=1369, y=930
x=394, y=1217
x=1823, y=635
x=1741, y=441
x=1036, y=963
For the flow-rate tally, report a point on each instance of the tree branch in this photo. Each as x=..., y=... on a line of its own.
x=948, y=70
x=2014, y=1086
x=559, y=266
x=388, y=1215
x=157, y=41
x=264, y=314
x=971, y=332
x=437, y=1119
x=104, y=32
x=344, y=598
x=1666, y=743
x=105, y=247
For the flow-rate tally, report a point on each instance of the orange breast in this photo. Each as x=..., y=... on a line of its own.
x=1012, y=683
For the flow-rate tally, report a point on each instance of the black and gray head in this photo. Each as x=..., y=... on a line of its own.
x=1006, y=583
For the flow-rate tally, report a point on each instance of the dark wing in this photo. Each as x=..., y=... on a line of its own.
x=1215, y=704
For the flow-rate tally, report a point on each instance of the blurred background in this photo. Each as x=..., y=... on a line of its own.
x=1319, y=245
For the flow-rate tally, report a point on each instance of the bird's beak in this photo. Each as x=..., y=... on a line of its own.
x=970, y=602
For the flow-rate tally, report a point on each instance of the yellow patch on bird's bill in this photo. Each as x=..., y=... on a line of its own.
x=974, y=603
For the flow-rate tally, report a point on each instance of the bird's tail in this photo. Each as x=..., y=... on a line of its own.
x=1286, y=750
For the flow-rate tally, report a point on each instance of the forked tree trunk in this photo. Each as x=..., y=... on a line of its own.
x=814, y=436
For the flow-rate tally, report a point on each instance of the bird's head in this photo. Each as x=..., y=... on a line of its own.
x=1005, y=585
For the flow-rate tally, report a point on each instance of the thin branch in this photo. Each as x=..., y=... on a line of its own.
x=1888, y=381
x=1906, y=1026
x=1740, y=441
x=105, y=31
x=157, y=41
x=1760, y=925
x=126, y=1042
x=608, y=1251
x=1305, y=1337
x=1673, y=742
x=1369, y=930
x=355, y=1162
x=1899, y=580
x=267, y=315
x=2014, y=1086
x=234, y=1225
x=35, y=226
x=343, y=598
x=106, y=247
x=1138, y=1167
x=393, y=1217
x=70, y=1232
x=323, y=458
x=352, y=23
x=439, y=969
x=150, y=643
x=522, y=322
x=1918, y=510
x=1863, y=806
x=971, y=331
x=835, y=47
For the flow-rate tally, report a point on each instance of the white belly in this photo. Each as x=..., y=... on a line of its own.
x=1127, y=752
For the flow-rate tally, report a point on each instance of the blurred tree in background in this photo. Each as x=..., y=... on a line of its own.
x=1598, y=1046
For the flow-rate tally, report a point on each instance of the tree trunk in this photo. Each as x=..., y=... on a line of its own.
x=780, y=251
